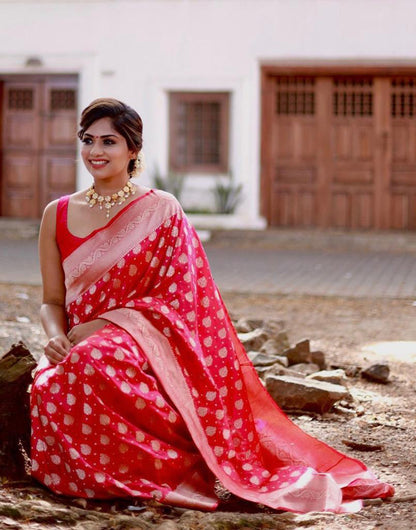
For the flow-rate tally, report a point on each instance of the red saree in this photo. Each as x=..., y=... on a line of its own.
x=163, y=400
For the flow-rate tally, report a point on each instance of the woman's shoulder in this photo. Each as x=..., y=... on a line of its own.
x=51, y=207
x=167, y=200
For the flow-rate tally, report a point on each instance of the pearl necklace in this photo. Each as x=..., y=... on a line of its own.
x=108, y=201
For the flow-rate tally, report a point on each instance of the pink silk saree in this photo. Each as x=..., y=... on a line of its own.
x=163, y=400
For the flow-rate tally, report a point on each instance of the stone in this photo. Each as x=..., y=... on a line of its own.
x=305, y=368
x=241, y=326
x=303, y=346
x=318, y=357
x=253, y=340
x=274, y=327
x=337, y=377
x=292, y=393
x=379, y=373
x=167, y=525
x=245, y=325
x=16, y=368
x=277, y=369
x=261, y=359
x=351, y=370
x=275, y=346
x=300, y=353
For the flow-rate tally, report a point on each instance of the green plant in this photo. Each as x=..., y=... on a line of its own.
x=172, y=182
x=227, y=196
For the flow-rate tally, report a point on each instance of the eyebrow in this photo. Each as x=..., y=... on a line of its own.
x=102, y=136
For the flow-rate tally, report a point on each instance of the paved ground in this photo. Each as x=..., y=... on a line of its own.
x=308, y=262
x=314, y=272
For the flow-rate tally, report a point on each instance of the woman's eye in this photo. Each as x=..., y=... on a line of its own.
x=108, y=142
x=86, y=141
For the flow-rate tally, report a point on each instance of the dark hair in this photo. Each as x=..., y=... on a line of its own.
x=124, y=119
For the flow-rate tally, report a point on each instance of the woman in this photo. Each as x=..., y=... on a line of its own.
x=145, y=390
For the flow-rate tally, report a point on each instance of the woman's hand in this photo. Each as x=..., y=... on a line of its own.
x=82, y=331
x=57, y=349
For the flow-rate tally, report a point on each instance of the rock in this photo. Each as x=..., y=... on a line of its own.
x=261, y=359
x=275, y=346
x=378, y=373
x=15, y=376
x=292, y=393
x=167, y=525
x=245, y=325
x=318, y=357
x=299, y=354
x=351, y=370
x=337, y=377
x=253, y=340
x=277, y=369
x=304, y=346
x=305, y=368
x=275, y=326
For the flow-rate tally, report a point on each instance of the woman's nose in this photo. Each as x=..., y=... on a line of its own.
x=96, y=148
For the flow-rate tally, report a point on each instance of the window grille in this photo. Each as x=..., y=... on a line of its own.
x=353, y=96
x=199, y=131
x=62, y=99
x=403, y=97
x=295, y=95
x=20, y=99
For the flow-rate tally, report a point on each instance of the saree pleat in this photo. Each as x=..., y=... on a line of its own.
x=163, y=400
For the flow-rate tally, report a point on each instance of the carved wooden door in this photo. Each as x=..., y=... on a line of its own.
x=353, y=153
x=294, y=152
x=38, y=142
x=403, y=153
x=20, y=153
x=339, y=151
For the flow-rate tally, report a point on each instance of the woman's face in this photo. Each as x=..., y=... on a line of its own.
x=105, y=152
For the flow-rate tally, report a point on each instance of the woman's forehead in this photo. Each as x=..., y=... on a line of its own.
x=101, y=127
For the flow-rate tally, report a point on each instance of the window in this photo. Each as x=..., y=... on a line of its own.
x=353, y=96
x=199, y=132
x=295, y=96
x=403, y=97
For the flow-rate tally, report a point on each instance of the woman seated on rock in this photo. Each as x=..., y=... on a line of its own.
x=145, y=390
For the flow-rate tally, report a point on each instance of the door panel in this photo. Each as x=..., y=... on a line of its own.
x=59, y=122
x=353, y=152
x=38, y=142
x=57, y=176
x=20, y=172
x=403, y=170
x=21, y=107
x=294, y=150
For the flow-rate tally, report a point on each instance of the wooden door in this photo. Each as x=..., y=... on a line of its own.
x=294, y=149
x=339, y=150
x=403, y=157
x=20, y=149
x=38, y=142
x=353, y=153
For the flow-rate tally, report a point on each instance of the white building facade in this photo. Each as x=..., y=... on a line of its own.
x=221, y=59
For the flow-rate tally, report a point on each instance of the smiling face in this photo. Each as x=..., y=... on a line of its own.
x=105, y=153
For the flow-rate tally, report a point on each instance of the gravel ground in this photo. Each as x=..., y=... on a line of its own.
x=352, y=332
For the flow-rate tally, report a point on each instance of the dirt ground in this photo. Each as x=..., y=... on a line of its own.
x=352, y=333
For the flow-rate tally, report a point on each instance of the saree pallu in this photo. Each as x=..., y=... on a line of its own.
x=163, y=401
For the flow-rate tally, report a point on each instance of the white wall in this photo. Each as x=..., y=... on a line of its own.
x=138, y=50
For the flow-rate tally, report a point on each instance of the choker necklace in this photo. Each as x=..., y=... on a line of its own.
x=108, y=201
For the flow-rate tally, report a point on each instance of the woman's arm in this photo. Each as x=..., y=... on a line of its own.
x=52, y=312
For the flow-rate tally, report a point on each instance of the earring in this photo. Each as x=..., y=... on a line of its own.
x=138, y=165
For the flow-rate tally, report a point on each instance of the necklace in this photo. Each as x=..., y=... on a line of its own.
x=108, y=201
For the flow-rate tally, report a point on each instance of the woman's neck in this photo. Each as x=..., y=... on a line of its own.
x=108, y=188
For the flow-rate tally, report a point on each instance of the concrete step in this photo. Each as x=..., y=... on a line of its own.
x=315, y=239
